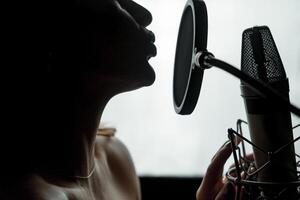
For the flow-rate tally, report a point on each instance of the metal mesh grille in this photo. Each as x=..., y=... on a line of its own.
x=260, y=57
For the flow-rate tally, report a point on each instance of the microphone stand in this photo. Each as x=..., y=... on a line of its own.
x=206, y=60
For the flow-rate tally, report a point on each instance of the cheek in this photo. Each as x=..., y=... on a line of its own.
x=119, y=53
x=125, y=55
x=129, y=65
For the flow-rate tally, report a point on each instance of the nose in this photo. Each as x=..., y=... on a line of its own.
x=138, y=12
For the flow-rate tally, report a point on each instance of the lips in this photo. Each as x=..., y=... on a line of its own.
x=151, y=36
x=151, y=48
x=151, y=51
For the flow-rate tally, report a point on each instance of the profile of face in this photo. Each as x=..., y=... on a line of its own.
x=109, y=41
x=131, y=44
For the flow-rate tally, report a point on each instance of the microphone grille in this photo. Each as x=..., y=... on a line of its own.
x=260, y=57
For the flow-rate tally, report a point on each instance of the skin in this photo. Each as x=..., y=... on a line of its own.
x=214, y=186
x=69, y=58
x=94, y=50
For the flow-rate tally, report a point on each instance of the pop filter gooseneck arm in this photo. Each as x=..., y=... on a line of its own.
x=192, y=58
x=206, y=60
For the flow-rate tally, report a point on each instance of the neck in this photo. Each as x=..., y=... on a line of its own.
x=71, y=139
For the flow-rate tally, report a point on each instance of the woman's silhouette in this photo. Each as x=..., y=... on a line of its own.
x=70, y=59
x=65, y=61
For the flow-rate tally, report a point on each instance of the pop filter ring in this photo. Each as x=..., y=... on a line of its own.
x=185, y=102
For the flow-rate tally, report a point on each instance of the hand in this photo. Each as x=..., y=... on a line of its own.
x=213, y=186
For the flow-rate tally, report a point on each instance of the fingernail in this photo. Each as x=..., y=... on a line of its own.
x=226, y=144
x=237, y=140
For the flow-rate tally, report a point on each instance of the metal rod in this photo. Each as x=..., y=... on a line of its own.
x=298, y=125
x=254, y=145
x=239, y=178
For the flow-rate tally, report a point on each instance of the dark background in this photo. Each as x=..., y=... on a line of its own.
x=169, y=188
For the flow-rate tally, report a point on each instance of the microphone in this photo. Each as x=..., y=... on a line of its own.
x=269, y=123
x=265, y=91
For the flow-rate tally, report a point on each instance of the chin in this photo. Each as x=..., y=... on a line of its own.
x=149, y=77
x=141, y=78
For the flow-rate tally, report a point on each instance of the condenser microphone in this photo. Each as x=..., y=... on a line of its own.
x=269, y=123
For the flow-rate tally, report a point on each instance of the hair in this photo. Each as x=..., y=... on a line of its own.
x=46, y=51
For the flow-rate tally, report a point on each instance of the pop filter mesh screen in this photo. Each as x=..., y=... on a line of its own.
x=184, y=53
x=260, y=57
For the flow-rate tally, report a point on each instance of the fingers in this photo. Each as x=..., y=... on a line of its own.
x=212, y=181
x=219, y=160
x=213, y=186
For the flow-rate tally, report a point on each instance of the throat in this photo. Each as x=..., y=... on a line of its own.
x=65, y=147
x=68, y=147
x=72, y=158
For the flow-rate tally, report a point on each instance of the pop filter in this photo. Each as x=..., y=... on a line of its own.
x=192, y=38
x=192, y=58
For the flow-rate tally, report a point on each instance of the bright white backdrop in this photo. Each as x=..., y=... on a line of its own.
x=164, y=143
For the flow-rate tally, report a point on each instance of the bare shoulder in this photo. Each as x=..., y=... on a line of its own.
x=119, y=162
x=115, y=151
